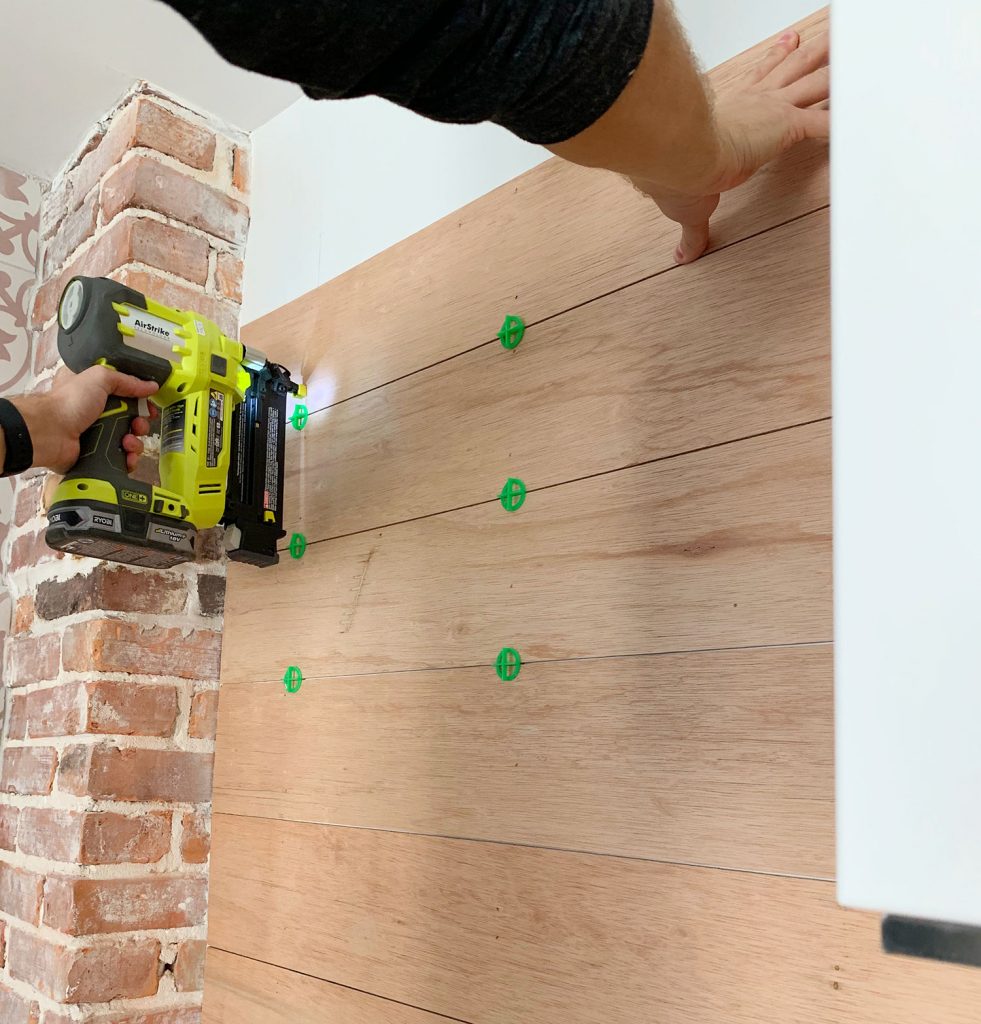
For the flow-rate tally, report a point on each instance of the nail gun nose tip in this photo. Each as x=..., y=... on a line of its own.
x=301, y=391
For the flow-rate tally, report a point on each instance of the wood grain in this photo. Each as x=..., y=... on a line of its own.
x=736, y=345
x=722, y=758
x=557, y=236
x=496, y=934
x=728, y=547
x=240, y=991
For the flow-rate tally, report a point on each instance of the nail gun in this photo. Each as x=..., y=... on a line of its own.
x=222, y=435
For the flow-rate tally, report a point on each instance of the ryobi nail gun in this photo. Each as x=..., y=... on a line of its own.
x=222, y=435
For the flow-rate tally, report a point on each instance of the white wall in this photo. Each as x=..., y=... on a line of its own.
x=335, y=183
x=66, y=63
x=907, y=379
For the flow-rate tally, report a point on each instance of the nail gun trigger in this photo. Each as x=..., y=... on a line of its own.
x=143, y=408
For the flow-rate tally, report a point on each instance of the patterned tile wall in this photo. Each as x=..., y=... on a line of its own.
x=20, y=202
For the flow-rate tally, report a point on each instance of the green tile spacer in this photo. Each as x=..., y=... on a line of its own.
x=298, y=545
x=293, y=679
x=512, y=331
x=299, y=417
x=508, y=664
x=512, y=497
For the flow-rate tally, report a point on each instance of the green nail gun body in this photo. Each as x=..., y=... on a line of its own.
x=222, y=435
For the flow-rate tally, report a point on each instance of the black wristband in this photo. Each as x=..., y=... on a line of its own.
x=20, y=450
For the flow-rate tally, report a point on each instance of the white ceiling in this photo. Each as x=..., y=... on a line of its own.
x=64, y=63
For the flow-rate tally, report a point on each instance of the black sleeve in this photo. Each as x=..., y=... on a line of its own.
x=545, y=69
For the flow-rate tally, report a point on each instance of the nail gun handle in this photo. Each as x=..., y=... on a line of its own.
x=102, y=456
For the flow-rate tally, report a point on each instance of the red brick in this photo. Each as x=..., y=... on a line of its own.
x=109, y=645
x=9, y=817
x=32, y=659
x=14, y=1009
x=170, y=248
x=46, y=353
x=189, y=966
x=211, y=594
x=76, y=228
x=106, y=772
x=166, y=132
x=108, y=252
x=109, y=838
x=196, y=838
x=17, y=718
x=102, y=708
x=144, y=183
x=113, y=588
x=28, y=771
x=127, y=709
x=31, y=549
x=87, y=974
x=228, y=276
x=28, y=503
x=89, y=837
x=103, y=156
x=240, y=169
x=128, y=240
x=177, y=1015
x=56, y=711
x=209, y=546
x=96, y=906
x=23, y=614
x=20, y=893
x=51, y=833
x=204, y=715
x=180, y=296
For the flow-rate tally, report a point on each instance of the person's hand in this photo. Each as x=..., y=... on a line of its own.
x=776, y=105
x=57, y=420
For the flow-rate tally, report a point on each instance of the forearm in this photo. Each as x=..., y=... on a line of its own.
x=661, y=131
x=40, y=415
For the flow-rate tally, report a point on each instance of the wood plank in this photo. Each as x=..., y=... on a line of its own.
x=736, y=345
x=728, y=547
x=241, y=991
x=554, y=237
x=496, y=934
x=722, y=758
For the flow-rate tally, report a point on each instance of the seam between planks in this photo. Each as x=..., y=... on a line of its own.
x=575, y=306
x=339, y=984
x=790, y=644
x=666, y=861
x=571, y=480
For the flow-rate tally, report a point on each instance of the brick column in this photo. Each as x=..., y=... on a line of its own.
x=111, y=672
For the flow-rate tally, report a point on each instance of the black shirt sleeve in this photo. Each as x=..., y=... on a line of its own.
x=545, y=69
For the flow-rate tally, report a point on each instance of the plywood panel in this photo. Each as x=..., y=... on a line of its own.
x=241, y=991
x=495, y=934
x=552, y=238
x=728, y=547
x=722, y=758
x=736, y=345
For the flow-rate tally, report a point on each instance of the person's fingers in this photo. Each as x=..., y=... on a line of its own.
x=808, y=57
x=125, y=386
x=694, y=242
x=132, y=444
x=777, y=53
x=140, y=426
x=815, y=122
x=132, y=461
x=812, y=88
